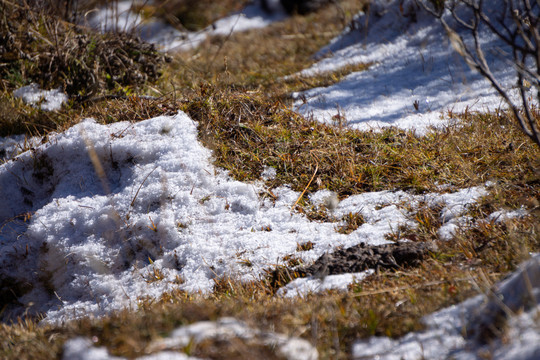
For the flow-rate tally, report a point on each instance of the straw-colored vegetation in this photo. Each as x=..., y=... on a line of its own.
x=235, y=88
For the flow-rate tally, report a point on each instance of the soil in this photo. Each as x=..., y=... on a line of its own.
x=362, y=257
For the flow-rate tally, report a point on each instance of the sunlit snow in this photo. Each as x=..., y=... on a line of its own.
x=90, y=215
x=412, y=64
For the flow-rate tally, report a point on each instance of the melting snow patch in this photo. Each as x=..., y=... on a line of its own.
x=225, y=329
x=414, y=79
x=453, y=206
x=48, y=100
x=502, y=215
x=269, y=173
x=311, y=285
x=251, y=17
x=229, y=328
x=457, y=332
x=83, y=349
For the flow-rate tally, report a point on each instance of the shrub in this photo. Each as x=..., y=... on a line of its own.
x=39, y=47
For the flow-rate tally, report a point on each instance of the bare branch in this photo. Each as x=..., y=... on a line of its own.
x=515, y=24
x=432, y=11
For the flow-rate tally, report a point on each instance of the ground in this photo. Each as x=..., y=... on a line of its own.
x=286, y=185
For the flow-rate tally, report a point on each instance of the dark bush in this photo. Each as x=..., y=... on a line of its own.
x=38, y=47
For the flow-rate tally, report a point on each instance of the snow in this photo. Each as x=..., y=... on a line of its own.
x=88, y=218
x=444, y=337
x=47, y=100
x=82, y=349
x=12, y=145
x=251, y=17
x=304, y=286
x=228, y=328
x=118, y=16
x=269, y=173
x=502, y=215
x=412, y=61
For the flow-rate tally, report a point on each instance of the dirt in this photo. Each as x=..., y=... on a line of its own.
x=363, y=257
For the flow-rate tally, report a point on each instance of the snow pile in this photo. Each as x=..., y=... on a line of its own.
x=103, y=215
x=47, y=100
x=444, y=337
x=413, y=66
x=118, y=16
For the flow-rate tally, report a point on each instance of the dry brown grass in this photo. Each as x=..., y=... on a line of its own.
x=43, y=48
x=258, y=59
x=481, y=147
x=28, y=341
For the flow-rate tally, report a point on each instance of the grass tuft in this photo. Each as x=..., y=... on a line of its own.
x=45, y=49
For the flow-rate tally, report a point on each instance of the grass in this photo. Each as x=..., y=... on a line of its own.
x=257, y=60
x=237, y=89
x=351, y=162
